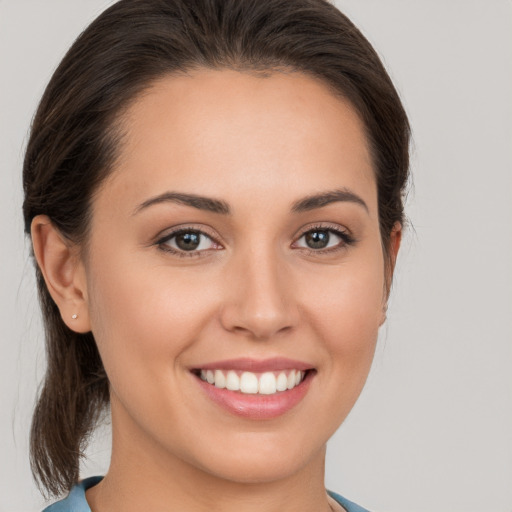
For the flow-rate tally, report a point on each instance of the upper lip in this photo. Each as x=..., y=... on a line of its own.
x=256, y=365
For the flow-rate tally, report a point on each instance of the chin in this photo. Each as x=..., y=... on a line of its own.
x=263, y=461
x=249, y=472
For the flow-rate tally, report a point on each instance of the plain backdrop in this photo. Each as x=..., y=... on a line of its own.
x=433, y=427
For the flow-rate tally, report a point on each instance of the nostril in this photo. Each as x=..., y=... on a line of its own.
x=258, y=325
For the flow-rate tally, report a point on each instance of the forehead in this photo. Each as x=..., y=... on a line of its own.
x=223, y=131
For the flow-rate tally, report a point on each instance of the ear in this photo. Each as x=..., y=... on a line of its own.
x=394, y=246
x=63, y=272
x=395, y=239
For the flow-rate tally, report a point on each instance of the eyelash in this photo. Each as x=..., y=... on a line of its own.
x=346, y=240
x=162, y=243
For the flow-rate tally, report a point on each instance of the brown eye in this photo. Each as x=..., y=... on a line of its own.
x=317, y=239
x=187, y=240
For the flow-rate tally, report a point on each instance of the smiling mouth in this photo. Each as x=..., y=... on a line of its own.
x=251, y=383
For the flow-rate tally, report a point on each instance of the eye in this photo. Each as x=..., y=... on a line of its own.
x=187, y=241
x=318, y=239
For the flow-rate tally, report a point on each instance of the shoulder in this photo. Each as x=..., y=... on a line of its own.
x=349, y=506
x=75, y=501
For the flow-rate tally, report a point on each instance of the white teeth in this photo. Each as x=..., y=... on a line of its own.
x=282, y=382
x=290, y=383
x=248, y=383
x=232, y=381
x=267, y=383
x=220, y=380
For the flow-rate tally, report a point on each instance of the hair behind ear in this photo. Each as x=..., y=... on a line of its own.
x=73, y=395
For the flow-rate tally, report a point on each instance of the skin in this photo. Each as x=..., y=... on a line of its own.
x=259, y=145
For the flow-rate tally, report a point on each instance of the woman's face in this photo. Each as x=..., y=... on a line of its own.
x=237, y=241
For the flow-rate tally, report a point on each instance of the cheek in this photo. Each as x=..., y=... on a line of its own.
x=347, y=317
x=350, y=301
x=143, y=318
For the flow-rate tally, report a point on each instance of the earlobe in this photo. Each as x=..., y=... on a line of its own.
x=63, y=273
x=384, y=314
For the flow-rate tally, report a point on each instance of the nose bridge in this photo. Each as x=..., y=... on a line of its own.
x=262, y=301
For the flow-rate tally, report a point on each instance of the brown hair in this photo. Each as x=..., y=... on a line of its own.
x=74, y=143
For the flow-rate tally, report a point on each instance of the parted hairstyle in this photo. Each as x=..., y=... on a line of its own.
x=75, y=140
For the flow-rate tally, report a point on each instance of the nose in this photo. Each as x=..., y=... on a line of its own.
x=260, y=296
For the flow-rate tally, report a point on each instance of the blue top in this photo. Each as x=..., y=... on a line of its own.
x=76, y=502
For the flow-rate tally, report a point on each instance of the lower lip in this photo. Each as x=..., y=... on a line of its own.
x=256, y=406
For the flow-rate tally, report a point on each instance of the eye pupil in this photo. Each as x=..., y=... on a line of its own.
x=188, y=241
x=317, y=239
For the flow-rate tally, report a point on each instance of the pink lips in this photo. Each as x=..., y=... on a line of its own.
x=252, y=365
x=257, y=406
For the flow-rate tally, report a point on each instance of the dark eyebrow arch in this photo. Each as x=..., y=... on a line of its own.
x=324, y=198
x=200, y=202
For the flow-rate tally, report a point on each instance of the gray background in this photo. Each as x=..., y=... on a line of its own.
x=433, y=428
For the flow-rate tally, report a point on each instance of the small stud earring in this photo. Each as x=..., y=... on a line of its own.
x=74, y=317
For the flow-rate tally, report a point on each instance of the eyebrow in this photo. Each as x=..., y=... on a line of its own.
x=219, y=206
x=193, y=200
x=324, y=198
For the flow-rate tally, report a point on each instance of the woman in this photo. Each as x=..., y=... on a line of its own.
x=213, y=190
